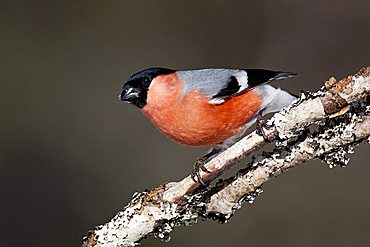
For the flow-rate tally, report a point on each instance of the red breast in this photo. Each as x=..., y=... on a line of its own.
x=189, y=119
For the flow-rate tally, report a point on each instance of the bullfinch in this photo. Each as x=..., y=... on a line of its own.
x=205, y=107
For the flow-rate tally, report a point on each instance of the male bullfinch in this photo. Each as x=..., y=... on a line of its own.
x=205, y=107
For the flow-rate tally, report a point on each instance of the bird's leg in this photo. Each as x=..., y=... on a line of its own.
x=260, y=125
x=199, y=165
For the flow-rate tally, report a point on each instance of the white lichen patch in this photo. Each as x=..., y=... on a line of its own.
x=290, y=122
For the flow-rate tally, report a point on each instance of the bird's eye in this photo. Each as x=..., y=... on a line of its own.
x=146, y=81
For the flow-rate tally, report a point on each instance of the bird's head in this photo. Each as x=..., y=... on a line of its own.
x=136, y=88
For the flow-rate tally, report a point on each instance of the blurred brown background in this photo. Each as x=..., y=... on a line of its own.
x=71, y=154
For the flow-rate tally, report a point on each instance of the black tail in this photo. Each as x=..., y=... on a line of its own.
x=261, y=76
x=284, y=75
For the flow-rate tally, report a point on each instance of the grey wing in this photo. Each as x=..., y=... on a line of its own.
x=219, y=85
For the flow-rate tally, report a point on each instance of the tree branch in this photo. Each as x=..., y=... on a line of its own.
x=331, y=146
x=341, y=110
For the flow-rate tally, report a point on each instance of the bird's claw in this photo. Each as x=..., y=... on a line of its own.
x=260, y=125
x=195, y=174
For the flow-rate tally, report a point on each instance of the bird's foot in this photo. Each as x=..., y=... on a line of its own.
x=199, y=166
x=260, y=126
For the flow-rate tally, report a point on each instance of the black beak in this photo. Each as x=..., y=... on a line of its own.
x=129, y=94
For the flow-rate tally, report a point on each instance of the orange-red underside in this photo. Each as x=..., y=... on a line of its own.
x=191, y=120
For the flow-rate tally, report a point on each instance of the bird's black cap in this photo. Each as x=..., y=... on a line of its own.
x=135, y=90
